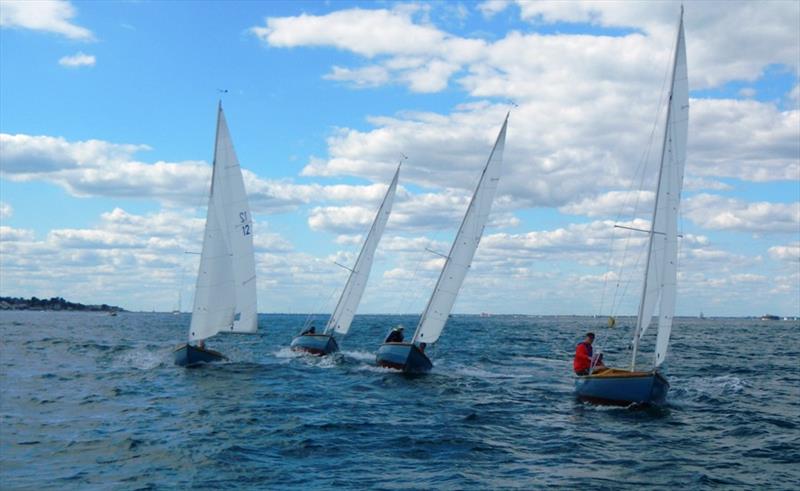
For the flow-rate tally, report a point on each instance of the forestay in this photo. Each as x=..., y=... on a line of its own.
x=225, y=296
x=463, y=249
x=346, y=308
x=661, y=267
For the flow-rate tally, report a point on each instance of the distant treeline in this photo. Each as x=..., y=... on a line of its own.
x=55, y=303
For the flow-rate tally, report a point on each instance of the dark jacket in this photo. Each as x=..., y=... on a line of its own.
x=394, y=337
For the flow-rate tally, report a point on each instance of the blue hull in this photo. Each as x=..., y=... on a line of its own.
x=403, y=356
x=316, y=344
x=189, y=356
x=621, y=388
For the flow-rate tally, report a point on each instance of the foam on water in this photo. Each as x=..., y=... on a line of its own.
x=142, y=359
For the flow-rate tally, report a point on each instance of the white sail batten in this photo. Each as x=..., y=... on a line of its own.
x=346, y=308
x=465, y=244
x=674, y=159
x=225, y=295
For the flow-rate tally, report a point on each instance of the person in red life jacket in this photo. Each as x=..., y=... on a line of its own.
x=584, y=358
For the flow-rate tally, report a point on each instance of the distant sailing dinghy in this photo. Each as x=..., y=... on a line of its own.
x=410, y=357
x=625, y=387
x=324, y=343
x=225, y=296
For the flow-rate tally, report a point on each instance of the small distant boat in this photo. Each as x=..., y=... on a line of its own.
x=177, y=311
x=626, y=387
x=112, y=313
x=339, y=322
x=410, y=357
x=485, y=314
x=701, y=317
x=770, y=317
x=225, y=296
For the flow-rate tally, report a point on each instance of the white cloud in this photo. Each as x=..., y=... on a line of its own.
x=719, y=213
x=10, y=234
x=415, y=213
x=743, y=139
x=491, y=7
x=370, y=76
x=717, y=53
x=79, y=59
x=137, y=258
x=340, y=219
x=99, y=168
x=789, y=252
x=5, y=210
x=747, y=92
x=612, y=203
x=418, y=55
x=42, y=15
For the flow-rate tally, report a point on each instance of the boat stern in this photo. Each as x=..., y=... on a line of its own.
x=189, y=356
x=406, y=357
x=315, y=344
x=622, y=388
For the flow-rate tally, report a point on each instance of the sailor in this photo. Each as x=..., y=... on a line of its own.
x=309, y=330
x=396, y=336
x=584, y=360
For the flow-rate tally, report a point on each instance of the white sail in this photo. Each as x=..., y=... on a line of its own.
x=463, y=249
x=346, y=308
x=661, y=265
x=225, y=296
x=674, y=159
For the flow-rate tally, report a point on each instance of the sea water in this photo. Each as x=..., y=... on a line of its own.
x=92, y=401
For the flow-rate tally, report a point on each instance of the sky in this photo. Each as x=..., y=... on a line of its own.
x=107, y=119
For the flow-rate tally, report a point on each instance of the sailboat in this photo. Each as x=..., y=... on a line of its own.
x=410, y=357
x=646, y=387
x=177, y=310
x=339, y=322
x=225, y=295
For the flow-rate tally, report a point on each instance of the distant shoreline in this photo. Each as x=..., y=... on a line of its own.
x=54, y=304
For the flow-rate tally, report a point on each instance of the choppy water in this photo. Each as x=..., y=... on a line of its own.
x=93, y=401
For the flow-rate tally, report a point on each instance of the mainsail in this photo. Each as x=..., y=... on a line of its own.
x=661, y=267
x=225, y=296
x=463, y=249
x=346, y=308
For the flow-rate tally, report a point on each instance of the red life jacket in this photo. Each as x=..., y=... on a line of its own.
x=583, y=357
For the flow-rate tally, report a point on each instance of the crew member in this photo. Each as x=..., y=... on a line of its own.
x=584, y=360
x=396, y=336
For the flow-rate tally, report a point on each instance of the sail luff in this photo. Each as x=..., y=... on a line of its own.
x=463, y=248
x=353, y=290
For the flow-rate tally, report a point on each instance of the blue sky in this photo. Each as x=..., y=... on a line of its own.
x=105, y=157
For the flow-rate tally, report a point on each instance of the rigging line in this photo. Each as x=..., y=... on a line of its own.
x=640, y=168
x=320, y=306
x=406, y=299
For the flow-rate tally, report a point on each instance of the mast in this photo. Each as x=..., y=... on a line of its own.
x=639, y=318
